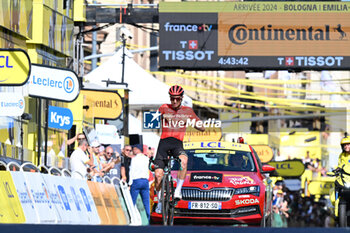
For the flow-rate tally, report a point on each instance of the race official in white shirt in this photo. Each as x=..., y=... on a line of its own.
x=139, y=175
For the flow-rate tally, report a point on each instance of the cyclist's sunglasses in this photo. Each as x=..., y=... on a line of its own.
x=172, y=98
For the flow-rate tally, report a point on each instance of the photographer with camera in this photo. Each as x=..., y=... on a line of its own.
x=113, y=163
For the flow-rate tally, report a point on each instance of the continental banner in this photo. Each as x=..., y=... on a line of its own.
x=289, y=168
x=211, y=133
x=102, y=104
x=264, y=152
x=254, y=35
x=10, y=206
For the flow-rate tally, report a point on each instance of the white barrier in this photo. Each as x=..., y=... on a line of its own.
x=31, y=166
x=55, y=171
x=12, y=163
x=66, y=173
x=106, y=180
x=135, y=217
x=85, y=198
x=42, y=201
x=115, y=181
x=34, y=200
x=60, y=199
x=44, y=167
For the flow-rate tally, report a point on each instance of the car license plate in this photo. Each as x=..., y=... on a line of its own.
x=200, y=205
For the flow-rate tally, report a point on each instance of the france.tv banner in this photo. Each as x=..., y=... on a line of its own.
x=60, y=118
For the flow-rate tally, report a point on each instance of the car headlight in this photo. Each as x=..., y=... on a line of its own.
x=254, y=190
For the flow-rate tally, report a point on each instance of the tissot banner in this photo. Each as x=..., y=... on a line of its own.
x=254, y=35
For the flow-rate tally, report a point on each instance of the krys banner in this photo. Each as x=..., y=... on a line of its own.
x=254, y=35
x=60, y=118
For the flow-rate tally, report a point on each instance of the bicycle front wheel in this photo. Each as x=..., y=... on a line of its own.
x=171, y=202
x=165, y=199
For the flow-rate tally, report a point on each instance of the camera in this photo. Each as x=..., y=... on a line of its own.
x=124, y=33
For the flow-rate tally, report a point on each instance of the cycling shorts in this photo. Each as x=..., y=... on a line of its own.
x=165, y=145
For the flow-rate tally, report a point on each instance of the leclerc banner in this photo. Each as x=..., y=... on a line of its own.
x=254, y=35
x=53, y=83
x=11, y=104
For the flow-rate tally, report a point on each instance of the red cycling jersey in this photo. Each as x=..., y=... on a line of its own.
x=174, y=122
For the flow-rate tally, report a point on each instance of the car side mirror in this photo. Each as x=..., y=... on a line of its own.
x=268, y=169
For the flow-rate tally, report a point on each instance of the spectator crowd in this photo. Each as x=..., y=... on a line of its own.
x=95, y=162
x=291, y=209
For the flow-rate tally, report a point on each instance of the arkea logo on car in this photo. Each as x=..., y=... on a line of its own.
x=151, y=120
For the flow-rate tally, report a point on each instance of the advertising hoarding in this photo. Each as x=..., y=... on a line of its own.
x=53, y=83
x=14, y=67
x=102, y=104
x=60, y=118
x=10, y=206
x=11, y=104
x=254, y=35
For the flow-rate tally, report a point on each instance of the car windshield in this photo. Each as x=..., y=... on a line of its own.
x=219, y=160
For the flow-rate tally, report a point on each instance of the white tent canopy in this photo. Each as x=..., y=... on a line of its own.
x=145, y=90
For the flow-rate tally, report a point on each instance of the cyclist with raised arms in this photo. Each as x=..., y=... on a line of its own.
x=175, y=119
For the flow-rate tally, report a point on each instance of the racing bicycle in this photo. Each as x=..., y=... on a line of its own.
x=168, y=200
x=167, y=192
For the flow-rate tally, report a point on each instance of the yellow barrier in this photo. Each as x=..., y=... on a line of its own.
x=99, y=203
x=10, y=207
x=108, y=203
x=122, y=220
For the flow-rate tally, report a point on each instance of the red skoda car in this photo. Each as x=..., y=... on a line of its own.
x=225, y=183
